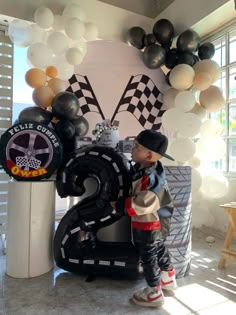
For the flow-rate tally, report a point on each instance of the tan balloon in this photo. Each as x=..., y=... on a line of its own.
x=51, y=72
x=202, y=81
x=212, y=99
x=43, y=96
x=57, y=85
x=35, y=77
x=195, y=162
x=181, y=77
x=208, y=66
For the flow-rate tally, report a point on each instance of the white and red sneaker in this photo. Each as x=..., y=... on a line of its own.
x=150, y=297
x=168, y=281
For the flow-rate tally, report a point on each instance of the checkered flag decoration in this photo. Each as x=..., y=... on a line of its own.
x=80, y=86
x=141, y=98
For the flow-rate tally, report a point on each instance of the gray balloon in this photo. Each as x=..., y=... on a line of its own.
x=65, y=105
x=35, y=114
x=154, y=56
x=136, y=37
x=188, y=41
x=81, y=126
x=16, y=122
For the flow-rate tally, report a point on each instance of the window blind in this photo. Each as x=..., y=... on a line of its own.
x=6, y=102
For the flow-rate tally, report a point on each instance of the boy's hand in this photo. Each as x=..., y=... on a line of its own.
x=118, y=209
x=113, y=204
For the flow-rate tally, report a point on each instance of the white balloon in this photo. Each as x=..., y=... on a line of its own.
x=80, y=44
x=74, y=11
x=190, y=125
x=39, y=35
x=74, y=28
x=210, y=129
x=43, y=16
x=65, y=70
x=211, y=149
x=58, y=42
x=185, y=101
x=39, y=55
x=172, y=119
x=182, y=149
x=20, y=33
x=196, y=180
x=74, y=56
x=91, y=31
x=215, y=185
x=58, y=23
x=169, y=98
x=199, y=110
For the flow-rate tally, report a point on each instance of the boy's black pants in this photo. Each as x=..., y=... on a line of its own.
x=155, y=257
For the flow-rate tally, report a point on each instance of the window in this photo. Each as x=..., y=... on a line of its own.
x=225, y=55
x=22, y=93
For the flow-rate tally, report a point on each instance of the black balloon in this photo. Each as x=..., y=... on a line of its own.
x=65, y=130
x=154, y=56
x=136, y=37
x=188, y=41
x=164, y=32
x=35, y=114
x=171, y=58
x=81, y=126
x=16, y=122
x=186, y=58
x=149, y=39
x=206, y=51
x=196, y=58
x=65, y=105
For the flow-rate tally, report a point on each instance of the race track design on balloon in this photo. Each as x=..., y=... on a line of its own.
x=76, y=244
x=91, y=238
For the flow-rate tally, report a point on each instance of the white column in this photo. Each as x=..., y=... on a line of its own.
x=31, y=220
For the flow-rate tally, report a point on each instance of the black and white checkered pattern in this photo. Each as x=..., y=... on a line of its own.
x=142, y=99
x=80, y=86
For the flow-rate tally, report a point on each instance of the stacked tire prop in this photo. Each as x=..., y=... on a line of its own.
x=179, y=240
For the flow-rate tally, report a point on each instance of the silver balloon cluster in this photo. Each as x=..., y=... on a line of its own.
x=105, y=125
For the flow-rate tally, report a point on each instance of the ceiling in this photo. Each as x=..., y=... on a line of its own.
x=25, y=8
x=149, y=8
x=204, y=18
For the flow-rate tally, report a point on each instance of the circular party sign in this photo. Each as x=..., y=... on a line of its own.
x=30, y=151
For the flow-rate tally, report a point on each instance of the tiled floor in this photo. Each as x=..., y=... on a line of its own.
x=206, y=291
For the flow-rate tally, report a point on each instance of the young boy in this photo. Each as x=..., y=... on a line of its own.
x=149, y=197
